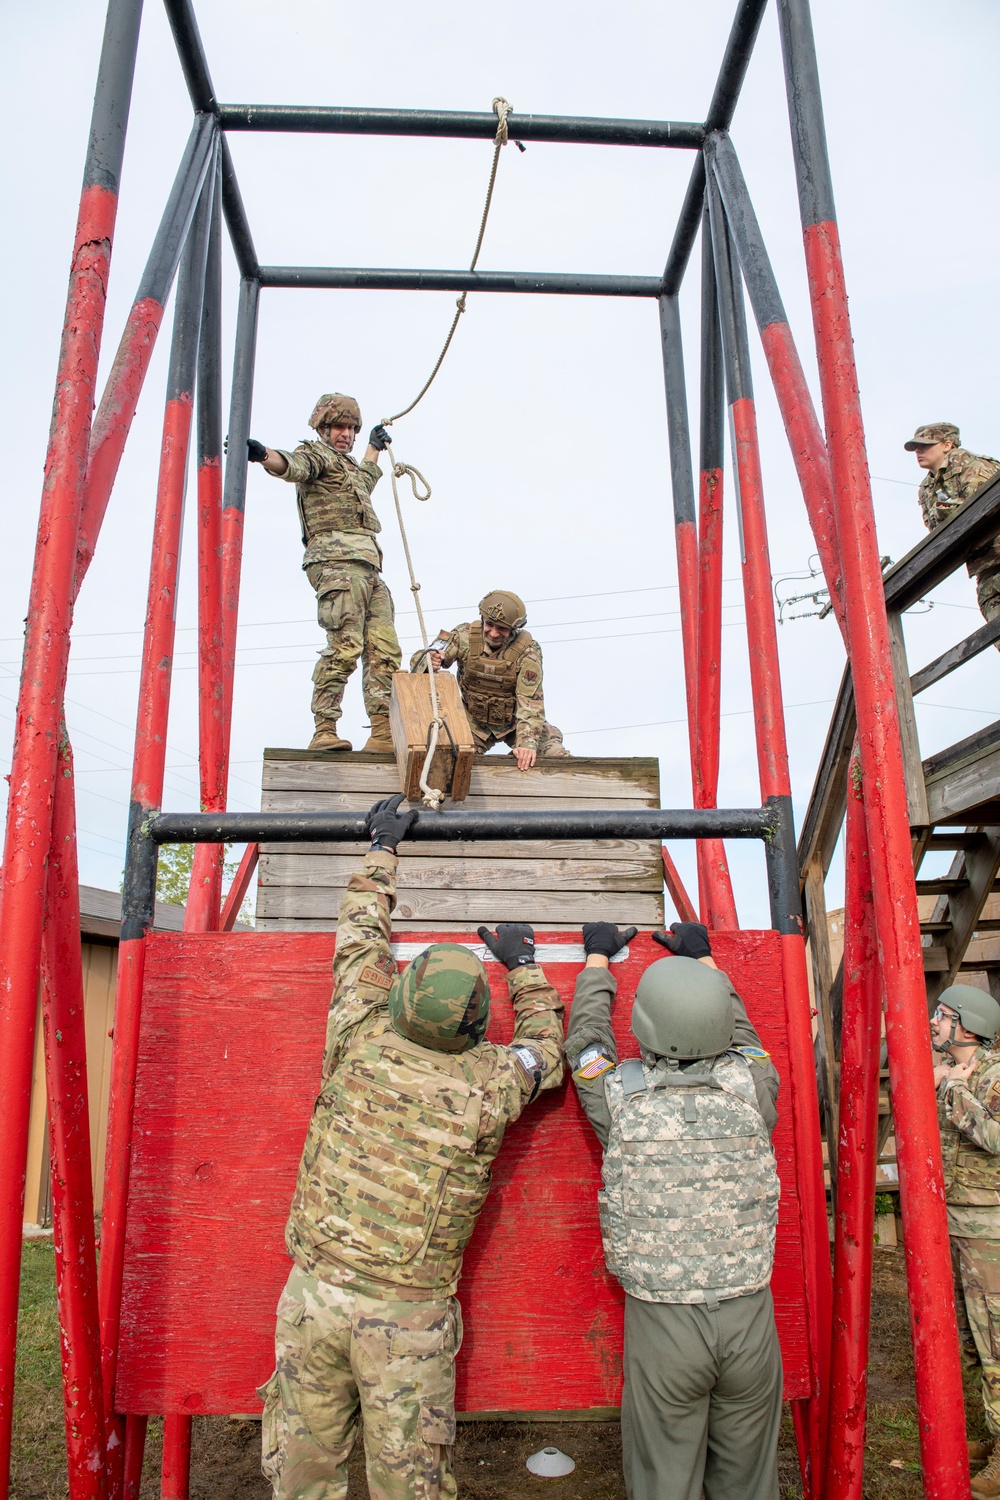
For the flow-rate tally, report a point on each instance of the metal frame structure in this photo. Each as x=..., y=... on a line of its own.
x=38, y=916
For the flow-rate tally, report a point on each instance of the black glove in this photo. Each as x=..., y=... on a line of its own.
x=606, y=938
x=387, y=825
x=686, y=939
x=380, y=438
x=256, y=452
x=513, y=943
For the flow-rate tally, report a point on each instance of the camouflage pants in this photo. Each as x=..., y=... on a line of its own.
x=341, y=1357
x=988, y=594
x=355, y=609
x=977, y=1296
x=550, y=741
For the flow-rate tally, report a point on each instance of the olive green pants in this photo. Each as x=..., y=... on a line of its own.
x=977, y=1302
x=988, y=594
x=701, y=1405
x=344, y=1360
x=355, y=609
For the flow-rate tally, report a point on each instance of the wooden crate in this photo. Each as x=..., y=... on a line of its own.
x=455, y=886
x=410, y=715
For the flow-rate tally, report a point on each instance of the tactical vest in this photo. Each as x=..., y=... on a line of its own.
x=971, y=1175
x=489, y=681
x=338, y=501
x=690, y=1198
x=390, y=1184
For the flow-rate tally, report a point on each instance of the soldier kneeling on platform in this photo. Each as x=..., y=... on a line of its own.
x=412, y=1109
x=500, y=679
x=688, y=1213
x=343, y=562
x=963, y=1031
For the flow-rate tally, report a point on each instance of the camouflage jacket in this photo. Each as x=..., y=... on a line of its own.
x=333, y=492
x=525, y=715
x=941, y=495
x=397, y=1159
x=969, y=1115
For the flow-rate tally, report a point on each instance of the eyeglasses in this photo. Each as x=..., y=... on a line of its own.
x=941, y=1014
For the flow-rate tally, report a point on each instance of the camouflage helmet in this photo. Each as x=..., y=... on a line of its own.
x=934, y=432
x=683, y=1009
x=442, y=999
x=503, y=608
x=977, y=1011
x=332, y=409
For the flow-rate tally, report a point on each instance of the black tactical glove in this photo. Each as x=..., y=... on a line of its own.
x=380, y=437
x=256, y=452
x=513, y=943
x=606, y=938
x=387, y=825
x=686, y=939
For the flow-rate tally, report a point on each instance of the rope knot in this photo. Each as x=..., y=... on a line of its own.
x=501, y=109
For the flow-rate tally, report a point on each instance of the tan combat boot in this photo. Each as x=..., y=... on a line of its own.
x=327, y=738
x=980, y=1449
x=380, y=738
x=986, y=1484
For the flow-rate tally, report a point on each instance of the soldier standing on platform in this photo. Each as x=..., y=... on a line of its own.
x=396, y=1167
x=500, y=679
x=343, y=562
x=953, y=476
x=688, y=1213
x=963, y=1029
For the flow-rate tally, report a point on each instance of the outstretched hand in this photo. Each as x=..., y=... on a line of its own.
x=513, y=943
x=686, y=939
x=387, y=825
x=606, y=938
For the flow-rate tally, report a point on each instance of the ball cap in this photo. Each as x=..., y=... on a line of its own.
x=933, y=432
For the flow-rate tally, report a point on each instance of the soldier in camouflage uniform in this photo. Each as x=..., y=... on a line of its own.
x=412, y=1109
x=343, y=562
x=688, y=1213
x=963, y=1032
x=953, y=476
x=500, y=679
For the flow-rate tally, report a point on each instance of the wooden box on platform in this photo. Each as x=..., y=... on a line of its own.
x=410, y=715
x=453, y=887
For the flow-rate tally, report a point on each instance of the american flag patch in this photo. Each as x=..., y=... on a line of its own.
x=595, y=1067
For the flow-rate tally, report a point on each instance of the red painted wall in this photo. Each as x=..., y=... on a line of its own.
x=232, y=1041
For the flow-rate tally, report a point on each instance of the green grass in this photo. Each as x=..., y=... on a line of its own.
x=39, y=1463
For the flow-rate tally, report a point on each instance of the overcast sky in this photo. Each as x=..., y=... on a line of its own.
x=544, y=438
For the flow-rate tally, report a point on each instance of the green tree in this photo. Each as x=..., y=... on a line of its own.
x=173, y=877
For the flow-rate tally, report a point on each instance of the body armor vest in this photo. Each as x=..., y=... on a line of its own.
x=338, y=501
x=488, y=681
x=971, y=1175
x=390, y=1184
x=690, y=1198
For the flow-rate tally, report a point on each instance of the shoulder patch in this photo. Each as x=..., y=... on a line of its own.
x=755, y=1054
x=593, y=1065
x=381, y=973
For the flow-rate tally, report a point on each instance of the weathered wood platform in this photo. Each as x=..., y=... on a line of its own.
x=454, y=887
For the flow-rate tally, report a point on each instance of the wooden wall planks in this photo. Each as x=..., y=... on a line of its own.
x=232, y=1038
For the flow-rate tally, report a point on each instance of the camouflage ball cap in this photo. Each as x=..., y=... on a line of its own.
x=333, y=409
x=934, y=432
x=503, y=608
x=442, y=999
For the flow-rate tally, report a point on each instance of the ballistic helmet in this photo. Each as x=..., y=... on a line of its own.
x=332, y=409
x=977, y=1011
x=503, y=608
x=442, y=999
x=683, y=1009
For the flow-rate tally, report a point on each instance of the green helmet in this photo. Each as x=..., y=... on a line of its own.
x=501, y=607
x=334, y=408
x=442, y=999
x=977, y=1011
x=683, y=1009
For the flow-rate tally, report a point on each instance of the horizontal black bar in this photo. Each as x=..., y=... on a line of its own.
x=362, y=278
x=349, y=828
x=957, y=656
x=320, y=119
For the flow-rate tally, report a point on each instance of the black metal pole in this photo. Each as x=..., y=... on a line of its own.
x=678, y=427
x=347, y=827
x=389, y=279
x=713, y=377
x=187, y=38
x=236, y=217
x=783, y=869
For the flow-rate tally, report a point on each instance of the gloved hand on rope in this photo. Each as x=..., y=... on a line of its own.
x=387, y=825
x=256, y=452
x=513, y=943
x=605, y=938
x=379, y=438
x=686, y=939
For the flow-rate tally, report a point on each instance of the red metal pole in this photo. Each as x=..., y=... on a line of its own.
x=46, y=651
x=147, y=792
x=175, y=1475
x=683, y=904
x=69, y=1148
x=861, y=1043
x=940, y=1406
x=241, y=884
x=135, y=1447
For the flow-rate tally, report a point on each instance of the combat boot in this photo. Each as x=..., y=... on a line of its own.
x=380, y=738
x=327, y=738
x=986, y=1484
x=980, y=1449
